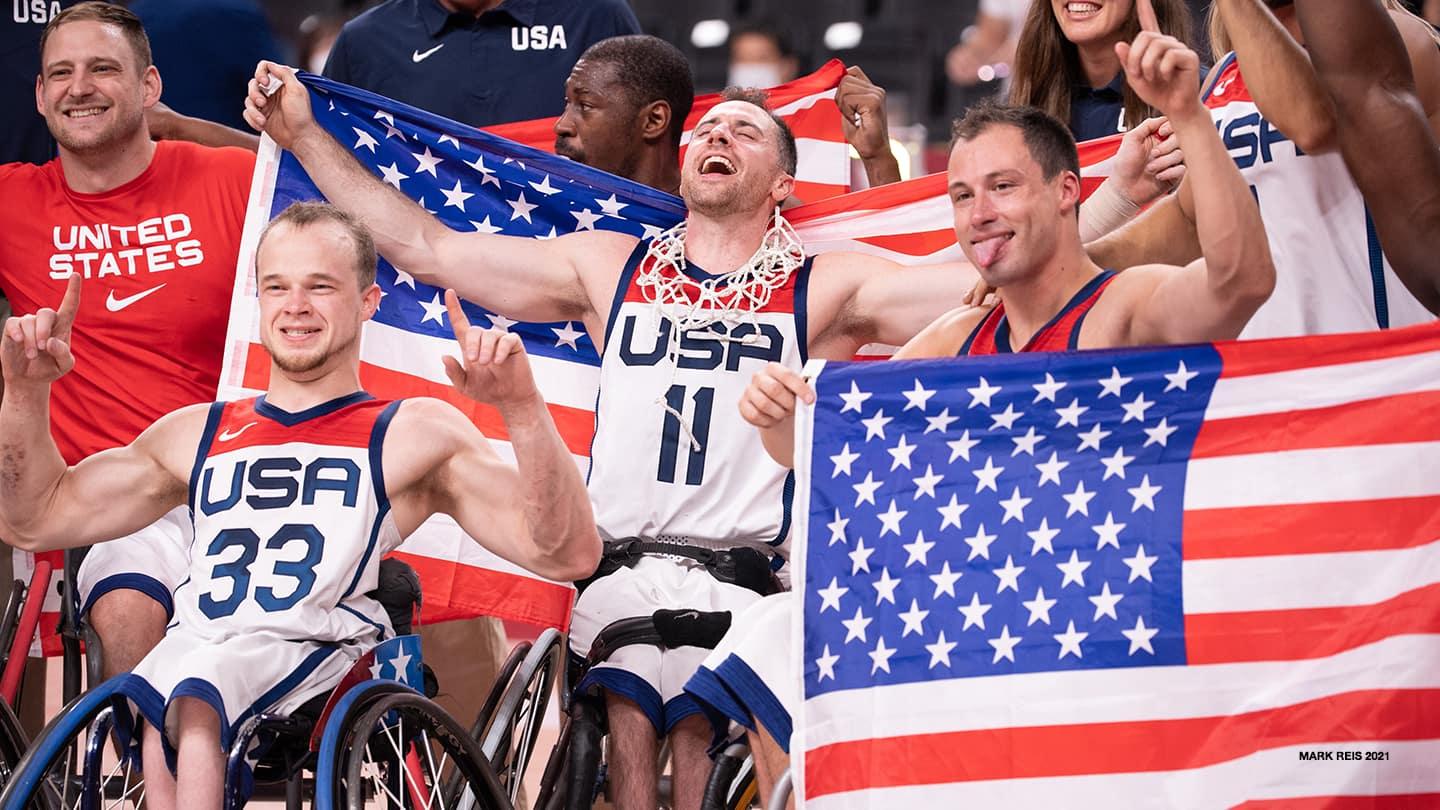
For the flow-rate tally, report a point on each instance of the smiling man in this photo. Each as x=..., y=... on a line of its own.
x=152, y=230
x=672, y=462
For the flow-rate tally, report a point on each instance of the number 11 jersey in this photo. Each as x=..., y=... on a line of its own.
x=702, y=478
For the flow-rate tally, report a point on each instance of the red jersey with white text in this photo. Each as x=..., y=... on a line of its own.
x=1061, y=334
x=158, y=258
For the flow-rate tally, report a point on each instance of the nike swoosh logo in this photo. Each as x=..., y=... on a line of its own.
x=419, y=56
x=226, y=435
x=116, y=304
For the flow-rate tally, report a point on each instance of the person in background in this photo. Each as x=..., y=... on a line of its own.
x=1381, y=73
x=206, y=48
x=761, y=55
x=1065, y=62
x=318, y=33
x=153, y=229
x=989, y=43
x=479, y=62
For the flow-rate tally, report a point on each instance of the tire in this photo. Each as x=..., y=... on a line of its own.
x=73, y=762
x=732, y=781
x=404, y=750
x=509, y=740
x=13, y=743
x=337, y=738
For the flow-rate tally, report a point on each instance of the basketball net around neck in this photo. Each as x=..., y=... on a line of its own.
x=731, y=299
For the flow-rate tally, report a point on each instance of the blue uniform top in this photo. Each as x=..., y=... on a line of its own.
x=204, y=50
x=1099, y=111
x=508, y=64
x=23, y=134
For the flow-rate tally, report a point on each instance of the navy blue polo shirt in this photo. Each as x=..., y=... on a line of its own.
x=508, y=64
x=23, y=134
x=1099, y=111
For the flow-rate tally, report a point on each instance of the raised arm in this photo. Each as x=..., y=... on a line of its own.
x=535, y=514
x=43, y=503
x=1214, y=297
x=167, y=125
x=1279, y=75
x=527, y=279
x=1386, y=141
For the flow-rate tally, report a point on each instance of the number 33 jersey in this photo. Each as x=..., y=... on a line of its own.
x=647, y=477
x=291, y=520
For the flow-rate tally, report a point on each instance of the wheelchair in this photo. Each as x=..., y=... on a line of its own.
x=371, y=742
x=575, y=772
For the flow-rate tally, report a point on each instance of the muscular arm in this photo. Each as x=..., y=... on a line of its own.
x=1163, y=234
x=1387, y=143
x=858, y=299
x=535, y=514
x=527, y=279
x=46, y=505
x=1279, y=75
x=1211, y=298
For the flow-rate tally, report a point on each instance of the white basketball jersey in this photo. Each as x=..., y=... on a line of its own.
x=647, y=477
x=1330, y=273
x=291, y=520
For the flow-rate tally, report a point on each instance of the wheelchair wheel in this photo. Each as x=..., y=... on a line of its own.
x=13, y=742
x=509, y=739
x=406, y=752
x=74, y=762
x=732, y=780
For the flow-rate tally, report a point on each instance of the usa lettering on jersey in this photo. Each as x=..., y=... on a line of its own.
x=537, y=38
x=153, y=245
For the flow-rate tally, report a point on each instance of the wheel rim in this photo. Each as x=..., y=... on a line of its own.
x=408, y=753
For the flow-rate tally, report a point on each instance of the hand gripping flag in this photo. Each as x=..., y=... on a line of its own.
x=476, y=181
x=1201, y=576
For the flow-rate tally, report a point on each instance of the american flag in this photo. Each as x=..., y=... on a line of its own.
x=808, y=106
x=1201, y=576
x=474, y=180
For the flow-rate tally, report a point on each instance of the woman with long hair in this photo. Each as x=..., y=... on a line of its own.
x=1065, y=61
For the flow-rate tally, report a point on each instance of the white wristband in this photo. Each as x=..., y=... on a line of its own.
x=1104, y=211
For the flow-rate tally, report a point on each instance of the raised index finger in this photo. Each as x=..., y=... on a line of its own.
x=458, y=320
x=1146, y=12
x=69, y=305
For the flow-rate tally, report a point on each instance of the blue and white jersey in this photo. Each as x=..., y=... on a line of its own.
x=1330, y=273
x=647, y=478
x=291, y=520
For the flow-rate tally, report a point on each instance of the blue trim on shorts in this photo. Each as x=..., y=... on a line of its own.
x=719, y=704
x=742, y=681
x=678, y=708
x=151, y=705
x=287, y=684
x=201, y=689
x=627, y=685
x=144, y=583
x=367, y=620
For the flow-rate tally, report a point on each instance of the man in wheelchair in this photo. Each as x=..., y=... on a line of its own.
x=294, y=495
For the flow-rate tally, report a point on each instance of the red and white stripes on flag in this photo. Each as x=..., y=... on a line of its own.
x=807, y=104
x=1310, y=589
x=912, y=222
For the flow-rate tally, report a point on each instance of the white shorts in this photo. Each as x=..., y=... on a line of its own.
x=154, y=561
x=751, y=677
x=238, y=676
x=653, y=679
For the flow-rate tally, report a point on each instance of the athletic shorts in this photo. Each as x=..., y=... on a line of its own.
x=238, y=676
x=653, y=679
x=751, y=677
x=154, y=561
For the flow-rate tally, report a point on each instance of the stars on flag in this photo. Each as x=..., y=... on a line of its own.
x=1054, y=514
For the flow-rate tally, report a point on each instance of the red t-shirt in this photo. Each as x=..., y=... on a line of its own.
x=158, y=258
